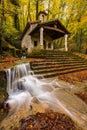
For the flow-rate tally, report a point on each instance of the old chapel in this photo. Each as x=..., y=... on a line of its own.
x=41, y=33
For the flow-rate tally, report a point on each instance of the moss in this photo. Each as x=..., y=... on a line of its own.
x=36, y=53
x=3, y=85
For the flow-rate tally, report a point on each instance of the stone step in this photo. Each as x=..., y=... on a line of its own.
x=48, y=66
x=52, y=74
x=66, y=61
x=45, y=53
x=56, y=63
x=47, y=56
x=59, y=69
x=60, y=55
x=55, y=52
x=60, y=58
x=55, y=55
x=49, y=62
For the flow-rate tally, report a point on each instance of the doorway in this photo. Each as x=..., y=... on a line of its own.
x=44, y=44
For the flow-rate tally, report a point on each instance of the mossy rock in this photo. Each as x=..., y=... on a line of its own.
x=3, y=85
x=3, y=93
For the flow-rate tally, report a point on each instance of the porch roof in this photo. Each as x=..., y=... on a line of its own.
x=55, y=29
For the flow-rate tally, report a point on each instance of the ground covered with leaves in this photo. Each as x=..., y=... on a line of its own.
x=83, y=96
x=7, y=61
x=47, y=121
x=74, y=77
x=39, y=119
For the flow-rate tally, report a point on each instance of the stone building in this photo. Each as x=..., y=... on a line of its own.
x=40, y=34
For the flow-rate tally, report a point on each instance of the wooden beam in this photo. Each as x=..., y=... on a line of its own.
x=54, y=29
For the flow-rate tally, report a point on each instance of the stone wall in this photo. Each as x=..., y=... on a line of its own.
x=26, y=41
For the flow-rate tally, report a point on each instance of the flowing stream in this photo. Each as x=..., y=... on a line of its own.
x=24, y=87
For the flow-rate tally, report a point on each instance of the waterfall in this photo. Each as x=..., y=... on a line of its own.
x=22, y=78
x=15, y=74
x=22, y=84
x=21, y=81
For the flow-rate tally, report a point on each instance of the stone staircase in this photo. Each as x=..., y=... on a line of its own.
x=56, y=63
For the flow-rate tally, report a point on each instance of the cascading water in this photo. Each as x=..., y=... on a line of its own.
x=15, y=74
x=23, y=86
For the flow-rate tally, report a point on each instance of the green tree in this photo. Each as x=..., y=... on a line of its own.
x=2, y=23
x=16, y=15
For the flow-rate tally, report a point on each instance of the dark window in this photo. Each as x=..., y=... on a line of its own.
x=43, y=18
x=49, y=45
x=35, y=43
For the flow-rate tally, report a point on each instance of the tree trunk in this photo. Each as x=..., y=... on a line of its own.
x=29, y=15
x=48, y=10
x=2, y=21
x=37, y=8
x=80, y=40
x=0, y=42
x=16, y=15
x=24, y=23
x=16, y=22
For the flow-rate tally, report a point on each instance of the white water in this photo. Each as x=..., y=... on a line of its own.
x=22, y=84
x=23, y=87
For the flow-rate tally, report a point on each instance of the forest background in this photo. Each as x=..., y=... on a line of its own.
x=15, y=14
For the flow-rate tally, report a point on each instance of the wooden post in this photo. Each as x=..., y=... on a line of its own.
x=41, y=37
x=66, y=36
